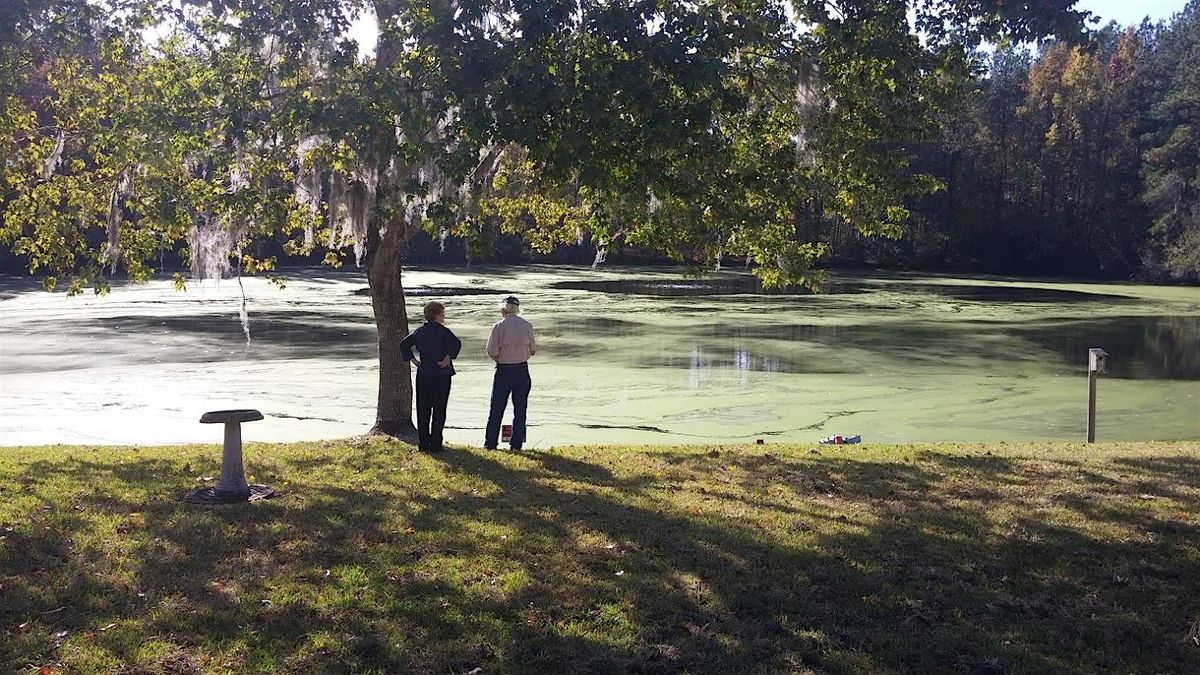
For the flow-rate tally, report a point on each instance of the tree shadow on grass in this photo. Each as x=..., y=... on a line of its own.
x=923, y=584
x=592, y=562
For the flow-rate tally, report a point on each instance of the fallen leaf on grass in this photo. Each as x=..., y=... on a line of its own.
x=700, y=631
x=621, y=573
x=1147, y=497
x=108, y=627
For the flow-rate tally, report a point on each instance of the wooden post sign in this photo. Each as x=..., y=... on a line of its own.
x=1096, y=359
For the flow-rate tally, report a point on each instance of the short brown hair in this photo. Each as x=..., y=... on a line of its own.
x=433, y=310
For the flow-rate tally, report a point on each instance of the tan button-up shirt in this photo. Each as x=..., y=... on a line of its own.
x=511, y=340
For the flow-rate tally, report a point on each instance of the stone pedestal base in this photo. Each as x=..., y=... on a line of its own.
x=232, y=488
x=210, y=497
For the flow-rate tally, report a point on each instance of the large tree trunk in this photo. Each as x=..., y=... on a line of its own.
x=393, y=412
x=394, y=404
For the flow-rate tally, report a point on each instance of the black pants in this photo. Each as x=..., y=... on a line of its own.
x=433, y=393
x=509, y=380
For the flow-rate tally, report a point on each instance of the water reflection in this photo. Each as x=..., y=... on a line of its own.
x=1146, y=347
x=733, y=284
x=745, y=284
x=291, y=334
x=440, y=291
x=701, y=365
x=1141, y=347
x=741, y=359
x=1020, y=294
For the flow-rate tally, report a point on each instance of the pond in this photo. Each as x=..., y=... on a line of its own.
x=629, y=355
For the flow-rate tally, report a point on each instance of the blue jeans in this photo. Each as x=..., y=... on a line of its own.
x=510, y=379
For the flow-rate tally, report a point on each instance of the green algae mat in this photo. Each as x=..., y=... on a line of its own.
x=643, y=355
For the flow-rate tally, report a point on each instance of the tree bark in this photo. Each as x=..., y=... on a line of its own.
x=393, y=412
x=386, y=236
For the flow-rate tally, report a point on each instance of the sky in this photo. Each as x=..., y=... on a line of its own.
x=1127, y=12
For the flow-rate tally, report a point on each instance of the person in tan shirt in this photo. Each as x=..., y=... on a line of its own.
x=510, y=344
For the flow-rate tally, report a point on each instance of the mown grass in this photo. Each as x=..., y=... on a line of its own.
x=903, y=559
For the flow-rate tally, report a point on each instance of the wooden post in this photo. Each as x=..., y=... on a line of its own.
x=1091, y=424
x=1096, y=363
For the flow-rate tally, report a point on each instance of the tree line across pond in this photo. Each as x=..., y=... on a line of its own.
x=235, y=134
x=1081, y=160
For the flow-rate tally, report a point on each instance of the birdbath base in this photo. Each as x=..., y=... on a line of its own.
x=232, y=488
x=209, y=496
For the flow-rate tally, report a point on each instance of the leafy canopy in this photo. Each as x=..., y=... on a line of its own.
x=703, y=129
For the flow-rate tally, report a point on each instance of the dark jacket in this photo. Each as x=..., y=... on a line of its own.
x=433, y=342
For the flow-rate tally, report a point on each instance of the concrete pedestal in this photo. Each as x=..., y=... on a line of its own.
x=232, y=488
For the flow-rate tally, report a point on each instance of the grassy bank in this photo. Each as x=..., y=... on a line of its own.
x=978, y=559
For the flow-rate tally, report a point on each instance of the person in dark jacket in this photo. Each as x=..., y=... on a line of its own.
x=437, y=347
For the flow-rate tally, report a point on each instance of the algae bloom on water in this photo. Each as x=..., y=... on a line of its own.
x=642, y=356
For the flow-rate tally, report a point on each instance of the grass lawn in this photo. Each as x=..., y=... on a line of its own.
x=869, y=559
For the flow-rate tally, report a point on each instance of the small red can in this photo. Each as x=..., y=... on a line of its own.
x=506, y=432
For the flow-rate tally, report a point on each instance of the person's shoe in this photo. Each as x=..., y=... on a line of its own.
x=436, y=448
x=515, y=448
x=489, y=447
